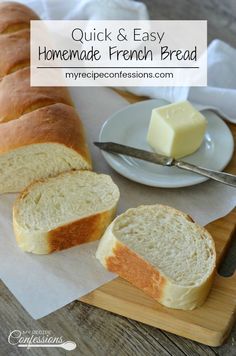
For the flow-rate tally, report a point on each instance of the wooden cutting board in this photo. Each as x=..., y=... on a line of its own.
x=211, y=323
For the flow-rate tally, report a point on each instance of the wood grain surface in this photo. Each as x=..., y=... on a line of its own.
x=102, y=333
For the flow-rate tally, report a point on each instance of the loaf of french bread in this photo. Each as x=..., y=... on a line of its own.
x=41, y=134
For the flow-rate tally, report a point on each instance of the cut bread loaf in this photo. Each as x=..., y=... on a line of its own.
x=41, y=144
x=163, y=252
x=41, y=134
x=64, y=211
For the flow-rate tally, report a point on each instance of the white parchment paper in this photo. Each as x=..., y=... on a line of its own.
x=43, y=284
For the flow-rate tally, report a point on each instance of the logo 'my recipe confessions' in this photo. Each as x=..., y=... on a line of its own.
x=38, y=338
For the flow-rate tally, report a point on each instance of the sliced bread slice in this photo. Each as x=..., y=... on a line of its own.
x=163, y=252
x=64, y=211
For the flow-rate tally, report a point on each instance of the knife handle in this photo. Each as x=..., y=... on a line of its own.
x=222, y=177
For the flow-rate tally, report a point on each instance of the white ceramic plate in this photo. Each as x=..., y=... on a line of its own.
x=129, y=127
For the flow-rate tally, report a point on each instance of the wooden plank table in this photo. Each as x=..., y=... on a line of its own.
x=96, y=331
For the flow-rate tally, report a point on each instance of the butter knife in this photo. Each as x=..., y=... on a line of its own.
x=153, y=157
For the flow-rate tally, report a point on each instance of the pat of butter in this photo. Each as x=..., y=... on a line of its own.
x=176, y=130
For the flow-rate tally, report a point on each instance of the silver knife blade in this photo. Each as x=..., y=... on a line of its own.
x=153, y=157
x=135, y=152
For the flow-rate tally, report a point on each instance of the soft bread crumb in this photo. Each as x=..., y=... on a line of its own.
x=65, y=198
x=168, y=240
x=20, y=167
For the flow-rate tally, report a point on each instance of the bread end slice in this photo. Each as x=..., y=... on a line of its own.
x=119, y=257
x=69, y=221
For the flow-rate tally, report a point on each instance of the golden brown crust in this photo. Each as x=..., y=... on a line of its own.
x=84, y=230
x=136, y=270
x=188, y=217
x=58, y=123
x=14, y=51
x=18, y=98
x=15, y=17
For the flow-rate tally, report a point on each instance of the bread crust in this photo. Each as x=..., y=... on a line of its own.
x=15, y=16
x=136, y=270
x=78, y=232
x=118, y=258
x=10, y=45
x=17, y=97
x=143, y=275
x=57, y=123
